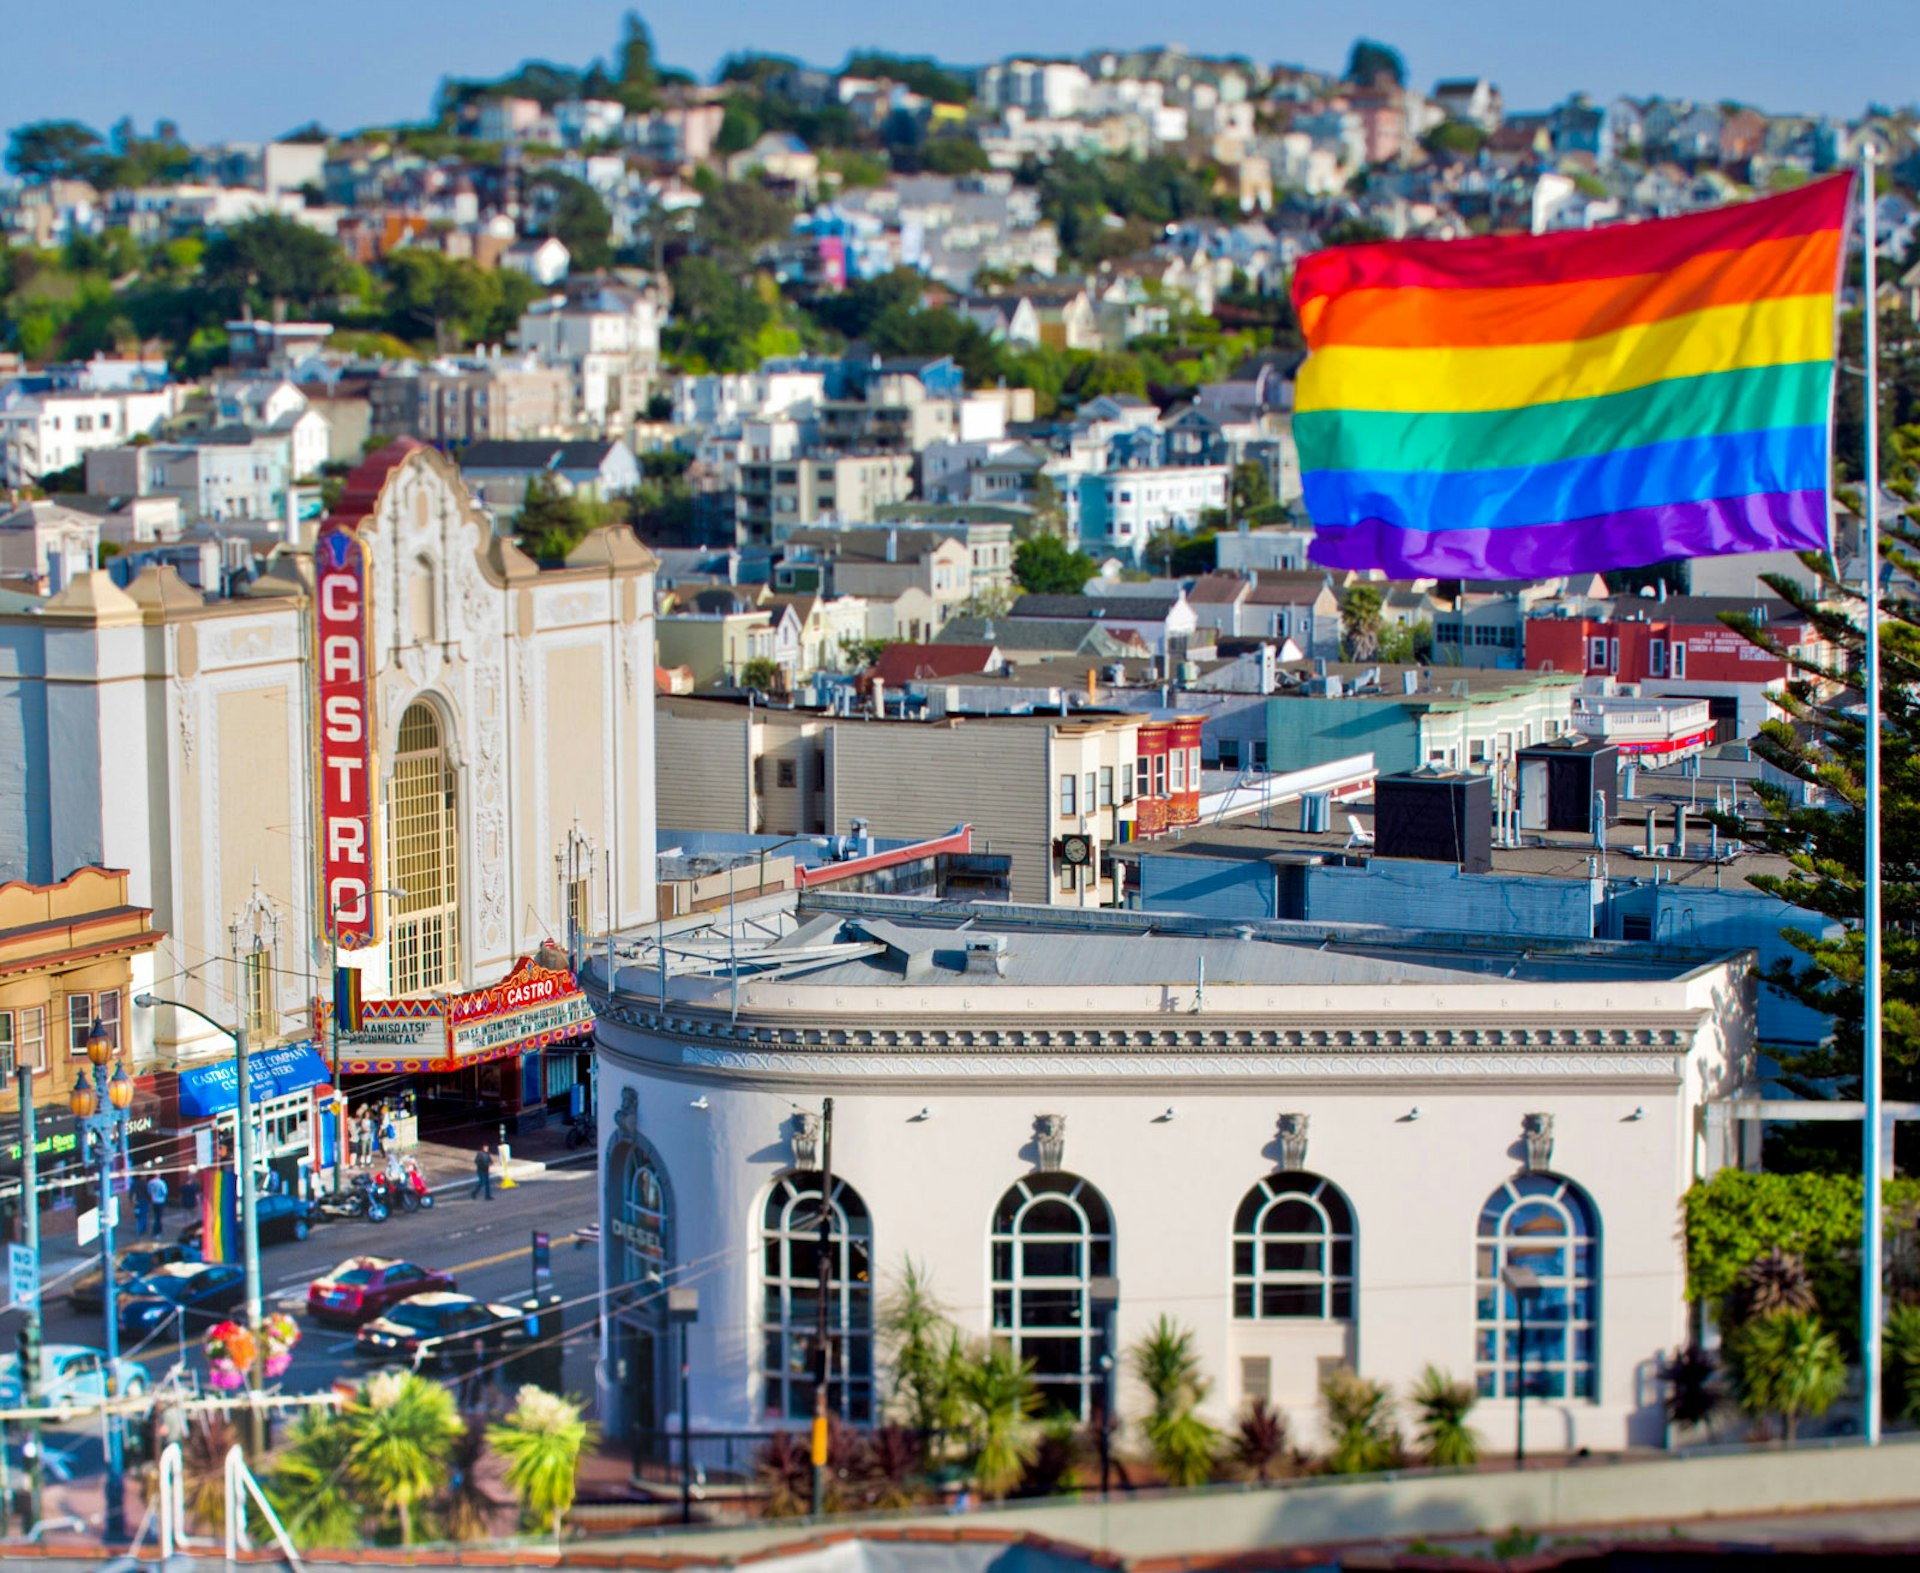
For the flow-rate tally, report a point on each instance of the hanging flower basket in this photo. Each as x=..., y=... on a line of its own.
x=282, y=1332
x=225, y=1375
x=230, y=1344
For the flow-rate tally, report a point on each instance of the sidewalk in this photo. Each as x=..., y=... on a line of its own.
x=448, y=1164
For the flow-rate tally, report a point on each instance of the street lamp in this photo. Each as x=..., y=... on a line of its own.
x=1103, y=1295
x=249, y=1215
x=1522, y=1283
x=683, y=1310
x=100, y=1110
x=399, y=893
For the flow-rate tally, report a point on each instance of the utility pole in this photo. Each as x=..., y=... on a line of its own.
x=30, y=1328
x=822, y=1354
x=249, y=1220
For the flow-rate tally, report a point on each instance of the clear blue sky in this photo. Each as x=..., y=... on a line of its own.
x=247, y=69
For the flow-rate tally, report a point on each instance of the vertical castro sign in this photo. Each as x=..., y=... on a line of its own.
x=342, y=625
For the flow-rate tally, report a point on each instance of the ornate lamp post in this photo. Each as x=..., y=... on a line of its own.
x=100, y=1107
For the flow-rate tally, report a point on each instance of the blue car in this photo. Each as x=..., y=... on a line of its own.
x=199, y=1293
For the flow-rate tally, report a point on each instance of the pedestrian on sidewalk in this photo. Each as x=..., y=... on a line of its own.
x=483, y=1173
x=157, y=1197
x=141, y=1213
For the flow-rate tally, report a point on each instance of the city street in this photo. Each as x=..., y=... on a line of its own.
x=487, y=1245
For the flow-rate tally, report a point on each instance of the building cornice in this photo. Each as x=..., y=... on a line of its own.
x=1648, y=1048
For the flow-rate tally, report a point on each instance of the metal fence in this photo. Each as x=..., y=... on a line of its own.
x=720, y=1458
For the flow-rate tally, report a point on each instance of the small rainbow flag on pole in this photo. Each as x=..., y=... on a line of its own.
x=219, y=1208
x=1508, y=408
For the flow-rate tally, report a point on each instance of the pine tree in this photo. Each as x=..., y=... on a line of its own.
x=1823, y=743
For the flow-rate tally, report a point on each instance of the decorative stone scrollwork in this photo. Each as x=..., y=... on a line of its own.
x=1537, y=1132
x=1050, y=1141
x=806, y=1141
x=626, y=1119
x=1293, y=1141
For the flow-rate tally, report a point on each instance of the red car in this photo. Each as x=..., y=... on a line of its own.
x=362, y=1287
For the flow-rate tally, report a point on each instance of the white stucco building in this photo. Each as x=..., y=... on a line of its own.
x=497, y=726
x=1310, y=1145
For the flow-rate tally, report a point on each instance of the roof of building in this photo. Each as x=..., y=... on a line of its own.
x=899, y=664
x=496, y=455
x=1035, y=633
x=1096, y=608
x=907, y=943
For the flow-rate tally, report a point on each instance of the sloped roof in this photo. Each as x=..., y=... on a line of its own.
x=1097, y=608
x=903, y=663
x=500, y=455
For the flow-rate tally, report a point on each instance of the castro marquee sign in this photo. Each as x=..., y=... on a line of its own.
x=531, y=1007
x=343, y=639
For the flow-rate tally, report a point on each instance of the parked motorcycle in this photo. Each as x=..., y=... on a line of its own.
x=360, y=1198
x=580, y=1131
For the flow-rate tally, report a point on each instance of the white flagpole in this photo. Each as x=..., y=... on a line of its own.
x=1873, y=1134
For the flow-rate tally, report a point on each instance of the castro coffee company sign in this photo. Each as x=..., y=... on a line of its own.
x=343, y=623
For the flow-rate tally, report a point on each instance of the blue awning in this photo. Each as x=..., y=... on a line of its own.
x=207, y=1090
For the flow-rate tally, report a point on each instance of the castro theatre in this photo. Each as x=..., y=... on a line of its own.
x=413, y=753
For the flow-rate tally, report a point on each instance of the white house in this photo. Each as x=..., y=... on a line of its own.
x=544, y=259
x=44, y=433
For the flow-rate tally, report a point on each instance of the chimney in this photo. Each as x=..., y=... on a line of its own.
x=879, y=699
x=1653, y=827
x=893, y=546
x=1680, y=831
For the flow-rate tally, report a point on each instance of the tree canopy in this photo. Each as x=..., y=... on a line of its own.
x=270, y=261
x=1046, y=565
x=1372, y=60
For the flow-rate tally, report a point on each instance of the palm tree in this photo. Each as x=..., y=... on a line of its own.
x=1360, y=1418
x=310, y=1487
x=1443, y=1405
x=468, y=1506
x=1183, y=1444
x=203, y=1469
x=541, y=1439
x=915, y=1331
x=401, y=1429
x=785, y=1475
x=1260, y=1441
x=1775, y=1282
x=999, y=1401
x=1694, y=1395
x=1786, y=1364
x=1901, y=1339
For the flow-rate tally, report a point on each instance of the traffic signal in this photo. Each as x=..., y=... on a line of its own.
x=30, y=1356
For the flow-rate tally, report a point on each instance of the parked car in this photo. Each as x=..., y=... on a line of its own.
x=75, y=1374
x=438, y=1329
x=280, y=1216
x=363, y=1287
x=86, y=1293
x=205, y=1291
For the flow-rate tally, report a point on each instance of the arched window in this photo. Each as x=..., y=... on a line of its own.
x=1052, y=1236
x=425, y=857
x=1293, y=1250
x=641, y=1225
x=790, y=1252
x=1547, y=1226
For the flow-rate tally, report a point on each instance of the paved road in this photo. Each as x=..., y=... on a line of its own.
x=486, y=1244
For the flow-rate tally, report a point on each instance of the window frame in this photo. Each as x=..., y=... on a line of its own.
x=787, y=1382
x=1500, y=1366
x=1010, y=1284
x=1336, y=1242
x=1069, y=793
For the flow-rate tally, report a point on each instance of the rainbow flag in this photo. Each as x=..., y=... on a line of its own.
x=219, y=1215
x=1507, y=408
